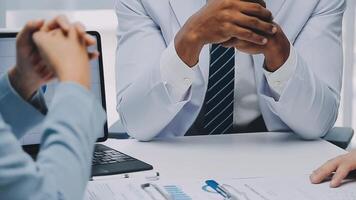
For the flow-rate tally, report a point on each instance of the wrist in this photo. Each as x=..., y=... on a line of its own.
x=78, y=80
x=277, y=52
x=188, y=46
x=21, y=85
x=81, y=77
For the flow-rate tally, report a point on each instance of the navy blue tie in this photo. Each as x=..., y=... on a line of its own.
x=216, y=116
x=219, y=100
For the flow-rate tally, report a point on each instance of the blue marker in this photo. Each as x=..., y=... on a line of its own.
x=219, y=189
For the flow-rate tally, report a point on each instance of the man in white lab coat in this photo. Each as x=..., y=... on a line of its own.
x=188, y=67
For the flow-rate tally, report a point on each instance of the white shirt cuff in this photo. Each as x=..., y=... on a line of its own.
x=278, y=80
x=176, y=75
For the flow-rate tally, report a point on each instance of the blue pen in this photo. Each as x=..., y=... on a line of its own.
x=219, y=189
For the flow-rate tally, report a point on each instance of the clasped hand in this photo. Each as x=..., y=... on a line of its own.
x=246, y=25
x=56, y=49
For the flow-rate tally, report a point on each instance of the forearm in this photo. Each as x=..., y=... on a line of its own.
x=145, y=91
x=277, y=51
x=63, y=164
x=309, y=102
x=20, y=177
x=188, y=45
x=17, y=112
x=23, y=85
x=308, y=105
x=144, y=100
x=74, y=123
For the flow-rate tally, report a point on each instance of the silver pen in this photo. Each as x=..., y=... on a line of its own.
x=159, y=190
x=231, y=196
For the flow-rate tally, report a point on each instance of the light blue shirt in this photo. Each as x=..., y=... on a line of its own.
x=71, y=127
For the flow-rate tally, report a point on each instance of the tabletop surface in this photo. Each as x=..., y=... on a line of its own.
x=230, y=156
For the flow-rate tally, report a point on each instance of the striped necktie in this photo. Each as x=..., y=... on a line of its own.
x=219, y=99
x=216, y=115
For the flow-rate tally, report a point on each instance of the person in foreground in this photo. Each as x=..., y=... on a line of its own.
x=338, y=168
x=71, y=125
x=204, y=67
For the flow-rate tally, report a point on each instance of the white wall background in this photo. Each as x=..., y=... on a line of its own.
x=106, y=23
x=348, y=108
x=2, y=13
x=59, y=4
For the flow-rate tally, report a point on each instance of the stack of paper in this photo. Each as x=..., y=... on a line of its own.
x=282, y=188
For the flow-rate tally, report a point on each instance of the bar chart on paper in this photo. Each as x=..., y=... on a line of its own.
x=176, y=193
x=128, y=190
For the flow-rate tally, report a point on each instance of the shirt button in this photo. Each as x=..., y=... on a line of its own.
x=187, y=81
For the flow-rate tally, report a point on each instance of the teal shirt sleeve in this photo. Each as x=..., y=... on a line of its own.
x=18, y=113
x=74, y=122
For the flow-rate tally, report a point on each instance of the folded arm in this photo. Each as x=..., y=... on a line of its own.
x=143, y=93
x=310, y=100
x=21, y=115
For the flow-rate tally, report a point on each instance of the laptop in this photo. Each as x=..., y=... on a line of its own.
x=106, y=161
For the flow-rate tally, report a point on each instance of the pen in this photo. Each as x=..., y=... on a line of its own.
x=148, y=176
x=154, y=186
x=219, y=189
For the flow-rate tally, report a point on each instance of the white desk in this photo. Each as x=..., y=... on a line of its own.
x=244, y=155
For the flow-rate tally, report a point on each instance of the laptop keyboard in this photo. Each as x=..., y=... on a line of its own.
x=108, y=161
x=110, y=156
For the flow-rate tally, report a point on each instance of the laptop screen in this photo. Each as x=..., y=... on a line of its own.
x=8, y=60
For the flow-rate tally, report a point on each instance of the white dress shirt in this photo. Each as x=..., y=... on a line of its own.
x=179, y=77
x=159, y=96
